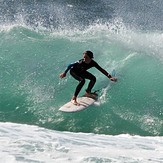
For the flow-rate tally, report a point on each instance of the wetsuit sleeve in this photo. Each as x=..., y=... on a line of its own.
x=101, y=69
x=70, y=66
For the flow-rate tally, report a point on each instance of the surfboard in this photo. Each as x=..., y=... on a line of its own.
x=84, y=102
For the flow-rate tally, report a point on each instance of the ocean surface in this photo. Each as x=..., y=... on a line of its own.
x=39, y=39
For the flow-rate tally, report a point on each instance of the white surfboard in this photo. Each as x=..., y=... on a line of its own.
x=84, y=102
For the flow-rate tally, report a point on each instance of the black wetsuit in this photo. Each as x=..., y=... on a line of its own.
x=79, y=71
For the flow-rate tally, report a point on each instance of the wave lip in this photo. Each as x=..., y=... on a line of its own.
x=78, y=14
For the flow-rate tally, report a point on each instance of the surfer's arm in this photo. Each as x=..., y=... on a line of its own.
x=68, y=68
x=105, y=72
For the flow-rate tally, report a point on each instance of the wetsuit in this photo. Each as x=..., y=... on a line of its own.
x=79, y=71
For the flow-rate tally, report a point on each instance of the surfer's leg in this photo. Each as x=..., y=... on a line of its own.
x=81, y=82
x=92, y=82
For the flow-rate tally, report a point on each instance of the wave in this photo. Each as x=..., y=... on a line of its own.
x=31, y=62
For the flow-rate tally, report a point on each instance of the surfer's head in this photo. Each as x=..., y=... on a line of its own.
x=87, y=56
x=89, y=53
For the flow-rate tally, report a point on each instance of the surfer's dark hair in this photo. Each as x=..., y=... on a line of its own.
x=89, y=53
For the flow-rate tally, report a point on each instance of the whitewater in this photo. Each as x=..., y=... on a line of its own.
x=23, y=143
x=39, y=39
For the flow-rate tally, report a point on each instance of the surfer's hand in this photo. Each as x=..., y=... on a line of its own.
x=62, y=75
x=113, y=79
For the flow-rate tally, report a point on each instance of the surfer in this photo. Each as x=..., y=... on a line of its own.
x=79, y=71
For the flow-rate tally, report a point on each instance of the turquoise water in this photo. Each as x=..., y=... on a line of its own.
x=31, y=91
x=39, y=40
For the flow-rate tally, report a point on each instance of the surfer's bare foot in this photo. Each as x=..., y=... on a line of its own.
x=91, y=95
x=74, y=101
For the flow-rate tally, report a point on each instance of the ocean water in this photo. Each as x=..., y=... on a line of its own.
x=38, y=39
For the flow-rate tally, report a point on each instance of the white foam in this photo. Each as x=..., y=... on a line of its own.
x=23, y=143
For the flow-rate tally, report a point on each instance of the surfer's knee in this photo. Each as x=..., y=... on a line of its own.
x=82, y=81
x=93, y=79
